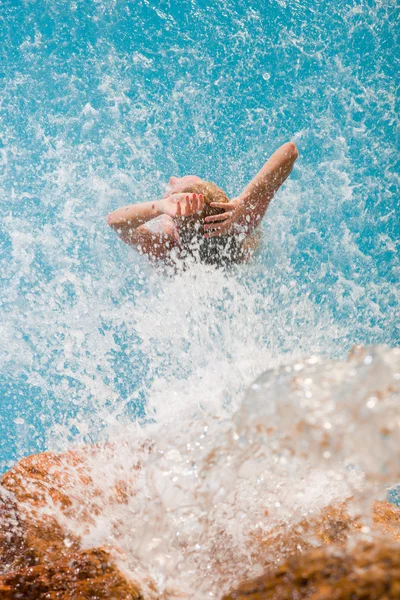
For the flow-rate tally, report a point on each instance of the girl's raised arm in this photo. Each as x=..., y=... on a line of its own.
x=130, y=223
x=247, y=210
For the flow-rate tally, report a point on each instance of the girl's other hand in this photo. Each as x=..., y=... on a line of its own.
x=225, y=222
x=182, y=205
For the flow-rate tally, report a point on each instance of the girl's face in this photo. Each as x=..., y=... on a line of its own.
x=178, y=184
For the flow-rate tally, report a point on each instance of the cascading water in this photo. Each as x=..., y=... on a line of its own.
x=101, y=102
x=188, y=501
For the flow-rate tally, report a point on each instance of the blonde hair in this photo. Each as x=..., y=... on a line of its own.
x=211, y=193
x=220, y=250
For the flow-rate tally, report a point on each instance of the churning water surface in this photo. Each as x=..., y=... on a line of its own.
x=101, y=101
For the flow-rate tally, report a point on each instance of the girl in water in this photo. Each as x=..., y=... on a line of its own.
x=196, y=218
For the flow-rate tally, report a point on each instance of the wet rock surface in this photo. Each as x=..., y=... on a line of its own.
x=342, y=567
x=38, y=557
x=369, y=571
x=321, y=559
x=28, y=535
x=84, y=574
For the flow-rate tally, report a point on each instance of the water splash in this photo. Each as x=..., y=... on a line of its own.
x=101, y=103
x=192, y=499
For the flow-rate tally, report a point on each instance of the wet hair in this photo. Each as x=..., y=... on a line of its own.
x=221, y=250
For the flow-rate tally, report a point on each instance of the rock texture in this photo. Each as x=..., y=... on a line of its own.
x=324, y=559
x=81, y=575
x=38, y=558
x=366, y=572
x=333, y=526
x=28, y=537
x=342, y=567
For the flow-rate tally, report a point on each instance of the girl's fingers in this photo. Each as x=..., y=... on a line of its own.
x=178, y=209
x=189, y=204
x=224, y=205
x=220, y=217
x=191, y=201
x=183, y=206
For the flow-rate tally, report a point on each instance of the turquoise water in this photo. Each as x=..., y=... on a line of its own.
x=101, y=101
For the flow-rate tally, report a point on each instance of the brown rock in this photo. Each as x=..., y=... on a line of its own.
x=368, y=571
x=83, y=575
x=342, y=568
x=29, y=537
x=332, y=526
x=387, y=519
x=38, y=559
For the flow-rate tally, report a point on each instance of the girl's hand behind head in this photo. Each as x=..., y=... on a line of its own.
x=225, y=222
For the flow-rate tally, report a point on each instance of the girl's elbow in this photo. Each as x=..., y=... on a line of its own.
x=292, y=150
x=111, y=220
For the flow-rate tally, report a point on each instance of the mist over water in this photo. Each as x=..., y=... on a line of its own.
x=100, y=103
